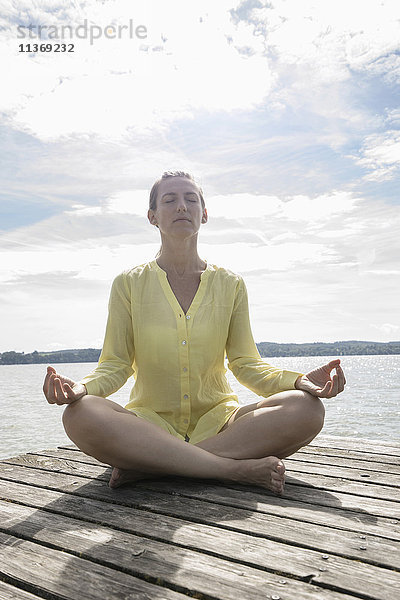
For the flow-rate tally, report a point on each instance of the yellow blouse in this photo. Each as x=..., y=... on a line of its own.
x=177, y=359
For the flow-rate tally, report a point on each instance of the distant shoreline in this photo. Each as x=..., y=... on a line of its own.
x=344, y=348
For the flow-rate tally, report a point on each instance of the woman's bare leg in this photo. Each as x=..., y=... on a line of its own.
x=103, y=429
x=276, y=426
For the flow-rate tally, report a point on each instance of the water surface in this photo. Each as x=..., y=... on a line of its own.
x=368, y=408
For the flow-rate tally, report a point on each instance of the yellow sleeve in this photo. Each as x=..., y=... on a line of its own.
x=245, y=361
x=116, y=358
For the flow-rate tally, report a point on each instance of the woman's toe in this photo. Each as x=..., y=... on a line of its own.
x=115, y=477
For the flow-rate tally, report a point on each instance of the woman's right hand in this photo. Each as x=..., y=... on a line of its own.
x=61, y=390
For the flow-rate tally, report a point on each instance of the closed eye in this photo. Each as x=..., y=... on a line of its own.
x=172, y=197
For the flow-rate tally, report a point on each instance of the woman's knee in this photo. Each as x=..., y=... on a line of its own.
x=79, y=415
x=310, y=411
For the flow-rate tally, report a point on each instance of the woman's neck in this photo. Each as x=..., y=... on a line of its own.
x=180, y=257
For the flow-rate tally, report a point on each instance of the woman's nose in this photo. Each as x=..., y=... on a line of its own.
x=181, y=205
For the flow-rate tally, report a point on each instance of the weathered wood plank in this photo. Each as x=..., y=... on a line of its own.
x=325, y=509
x=323, y=451
x=69, y=454
x=136, y=496
x=339, y=484
x=377, y=551
x=55, y=464
x=303, y=459
x=242, y=526
x=314, y=497
x=385, y=459
x=52, y=571
x=365, y=444
x=321, y=482
x=336, y=461
x=351, y=474
x=173, y=566
x=9, y=592
x=309, y=488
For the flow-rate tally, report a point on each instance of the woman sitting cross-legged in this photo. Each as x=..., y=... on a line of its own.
x=171, y=322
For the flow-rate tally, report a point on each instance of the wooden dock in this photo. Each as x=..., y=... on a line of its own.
x=332, y=536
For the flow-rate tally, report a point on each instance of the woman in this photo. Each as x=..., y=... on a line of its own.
x=170, y=323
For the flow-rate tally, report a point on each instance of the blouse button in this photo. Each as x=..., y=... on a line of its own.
x=184, y=369
x=184, y=343
x=188, y=317
x=186, y=396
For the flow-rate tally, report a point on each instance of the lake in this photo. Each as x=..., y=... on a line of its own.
x=368, y=408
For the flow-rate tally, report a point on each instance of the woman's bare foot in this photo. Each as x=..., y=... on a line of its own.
x=121, y=476
x=268, y=472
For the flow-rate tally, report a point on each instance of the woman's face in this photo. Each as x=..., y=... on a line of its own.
x=179, y=209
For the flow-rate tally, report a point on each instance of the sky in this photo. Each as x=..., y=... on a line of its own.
x=287, y=112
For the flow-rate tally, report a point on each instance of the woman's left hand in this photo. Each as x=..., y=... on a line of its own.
x=320, y=383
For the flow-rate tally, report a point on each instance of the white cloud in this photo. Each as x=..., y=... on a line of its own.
x=246, y=258
x=106, y=88
x=194, y=56
x=299, y=207
x=393, y=117
x=306, y=281
x=134, y=202
x=388, y=328
x=318, y=50
x=302, y=265
x=242, y=205
x=323, y=207
x=380, y=154
x=331, y=36
x=261, y=104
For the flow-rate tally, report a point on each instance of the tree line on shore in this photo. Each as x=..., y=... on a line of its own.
x=266, y=349
x=352, y=347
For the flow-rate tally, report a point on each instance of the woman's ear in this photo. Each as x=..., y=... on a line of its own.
x=204, y=218
x=152, y=217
